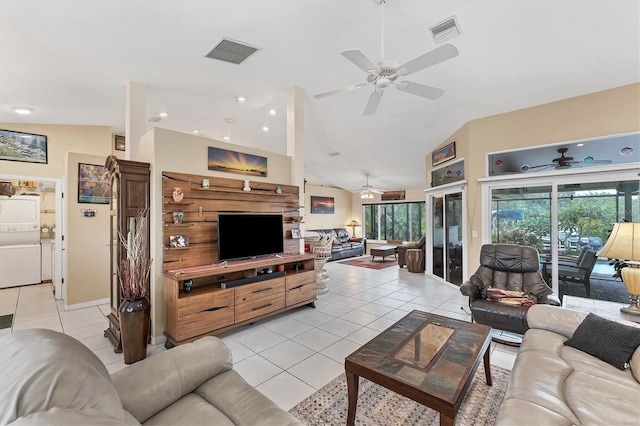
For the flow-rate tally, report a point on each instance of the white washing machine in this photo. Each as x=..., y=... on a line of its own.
x=20, y=252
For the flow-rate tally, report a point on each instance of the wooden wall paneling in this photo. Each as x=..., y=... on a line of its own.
x=201, y=207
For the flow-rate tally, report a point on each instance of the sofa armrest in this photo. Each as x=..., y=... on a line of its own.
x=554, y=318
x=150, y=385
x=356, y=240
x=470, y=289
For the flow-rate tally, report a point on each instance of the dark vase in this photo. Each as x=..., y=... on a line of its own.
x=134, y=328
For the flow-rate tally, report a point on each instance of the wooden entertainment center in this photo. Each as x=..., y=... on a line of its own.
x=211, y=309
x=203, y=296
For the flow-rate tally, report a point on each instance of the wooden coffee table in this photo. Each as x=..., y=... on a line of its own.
x=383, y=251
x=428, y=358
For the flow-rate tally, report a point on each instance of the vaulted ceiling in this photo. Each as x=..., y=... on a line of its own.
x=70, y=61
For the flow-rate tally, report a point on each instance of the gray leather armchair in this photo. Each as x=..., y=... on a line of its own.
x=506, y=267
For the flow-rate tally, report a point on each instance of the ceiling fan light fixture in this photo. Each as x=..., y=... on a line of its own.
x=366, y=195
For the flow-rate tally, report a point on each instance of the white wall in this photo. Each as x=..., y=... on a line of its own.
x=343, y=210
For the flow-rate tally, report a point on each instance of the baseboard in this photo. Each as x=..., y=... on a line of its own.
x=158, y=340
x=85, y=304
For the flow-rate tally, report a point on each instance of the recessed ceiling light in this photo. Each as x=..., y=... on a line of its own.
x=580, y=144
x=196, y=131
x=240, y=99
x=272, y=111
x=265, y=128
x=23, y=110
x=163, y=114
x=226, y=138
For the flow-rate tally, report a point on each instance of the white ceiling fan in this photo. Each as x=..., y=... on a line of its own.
x=385, y=72
x=367, y=190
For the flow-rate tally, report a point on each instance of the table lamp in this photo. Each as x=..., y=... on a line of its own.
x=353, y=225
x=624, y=244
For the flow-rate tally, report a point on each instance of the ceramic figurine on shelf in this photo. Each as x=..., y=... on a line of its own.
x=177, y=194
x=246, y=186
x=278, y=190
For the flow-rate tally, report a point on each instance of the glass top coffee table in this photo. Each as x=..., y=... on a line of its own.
x=428, y=358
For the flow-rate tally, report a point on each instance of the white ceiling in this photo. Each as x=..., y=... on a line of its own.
x=70, y=61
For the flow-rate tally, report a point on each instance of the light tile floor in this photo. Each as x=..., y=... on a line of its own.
x=287, y=357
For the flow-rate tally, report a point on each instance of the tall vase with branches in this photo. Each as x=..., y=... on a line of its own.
x=133, y=276
x=134, y=270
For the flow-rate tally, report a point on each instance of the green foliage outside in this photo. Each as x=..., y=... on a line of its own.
x=395, y=221
x=585, y=214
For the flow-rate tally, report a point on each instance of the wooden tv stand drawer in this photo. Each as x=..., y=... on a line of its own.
x=254, y=300
x=295, y=279
x=258, y=291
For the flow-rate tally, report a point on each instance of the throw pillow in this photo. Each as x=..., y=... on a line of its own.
x=607, y=340
x=412, y=245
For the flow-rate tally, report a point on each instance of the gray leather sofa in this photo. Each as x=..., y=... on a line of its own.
x=343, y=245
x=50, y=378
x=554, y=384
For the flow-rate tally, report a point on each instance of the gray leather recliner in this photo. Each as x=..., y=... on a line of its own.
x=506, y=267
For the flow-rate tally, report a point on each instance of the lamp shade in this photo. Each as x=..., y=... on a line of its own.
x=353, y=223
x=623, y=243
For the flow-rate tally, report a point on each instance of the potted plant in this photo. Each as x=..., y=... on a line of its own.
x=133, y=276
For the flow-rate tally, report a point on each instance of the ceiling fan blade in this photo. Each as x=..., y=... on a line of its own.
x=360, y=60
x=372, y=104
x=440, y=54
x=419, y=89
x=339, y=90
x=377, y=191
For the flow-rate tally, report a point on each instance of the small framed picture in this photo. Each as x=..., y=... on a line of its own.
x=443, y=154
x=178, y=241
x=118, y=142
x=94, y=184
x=295, y=233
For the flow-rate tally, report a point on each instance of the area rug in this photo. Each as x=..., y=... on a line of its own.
x=6, y=321
x=382, y=407
x=365, y=262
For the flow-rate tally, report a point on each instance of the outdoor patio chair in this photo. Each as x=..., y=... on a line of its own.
x=580, y=273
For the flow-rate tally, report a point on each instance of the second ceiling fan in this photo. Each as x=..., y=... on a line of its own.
x=386, y=72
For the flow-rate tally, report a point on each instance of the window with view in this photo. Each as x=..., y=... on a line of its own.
x=395, y=221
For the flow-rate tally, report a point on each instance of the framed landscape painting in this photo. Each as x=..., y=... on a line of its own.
x=322, y=205
x=224, y=160
x=20, y=146
x=443, y=154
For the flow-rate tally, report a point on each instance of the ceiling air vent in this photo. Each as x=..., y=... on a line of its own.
x=445, y=30
x=231, y=51
x=155, y=119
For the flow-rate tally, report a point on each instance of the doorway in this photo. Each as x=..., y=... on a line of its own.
x=446, y=207
x=50, y=192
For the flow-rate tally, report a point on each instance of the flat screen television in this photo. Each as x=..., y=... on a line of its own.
x=245, y=236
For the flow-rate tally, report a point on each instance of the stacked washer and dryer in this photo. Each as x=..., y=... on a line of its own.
x=20, y=252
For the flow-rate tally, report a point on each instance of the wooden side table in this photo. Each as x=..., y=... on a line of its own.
x=415, y=260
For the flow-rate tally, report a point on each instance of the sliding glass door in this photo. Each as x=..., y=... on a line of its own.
x=446, y=236
x=562, y=219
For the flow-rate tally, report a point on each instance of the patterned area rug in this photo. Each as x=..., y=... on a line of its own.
x=6, y=321
x=381, y=407
x=365, y=262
